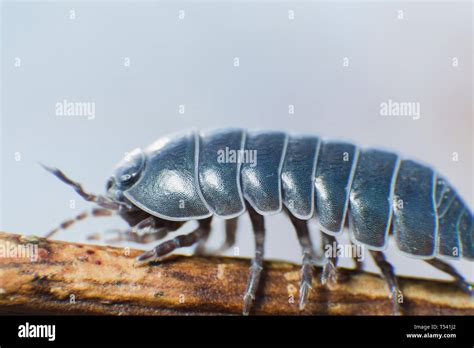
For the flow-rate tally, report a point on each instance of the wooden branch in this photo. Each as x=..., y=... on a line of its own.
x=69, y=278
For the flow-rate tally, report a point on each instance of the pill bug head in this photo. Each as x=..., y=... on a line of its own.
x=126, y=173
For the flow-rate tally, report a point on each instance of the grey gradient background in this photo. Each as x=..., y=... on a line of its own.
x=190, y=62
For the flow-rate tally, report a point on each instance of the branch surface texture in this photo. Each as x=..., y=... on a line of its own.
x=39, y=276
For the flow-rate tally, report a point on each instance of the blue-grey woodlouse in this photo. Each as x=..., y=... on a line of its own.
x=193, y=176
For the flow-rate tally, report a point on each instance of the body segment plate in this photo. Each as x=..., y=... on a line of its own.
x=167, y=188
x=371, y=197
x=219, y=171
x=298, y=175
x=466, y=232
x=334, y=173
x=449, y=208
x=260, y=174
x=415, y=218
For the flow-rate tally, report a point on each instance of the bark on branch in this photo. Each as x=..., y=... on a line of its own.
x=69, y=278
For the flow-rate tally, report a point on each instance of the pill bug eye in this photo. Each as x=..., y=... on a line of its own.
x=129, y=169
x=126, y=177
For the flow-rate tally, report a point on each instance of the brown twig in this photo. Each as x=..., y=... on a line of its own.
x=69, y=278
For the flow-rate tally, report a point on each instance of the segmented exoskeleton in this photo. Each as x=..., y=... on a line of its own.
x=224, y=173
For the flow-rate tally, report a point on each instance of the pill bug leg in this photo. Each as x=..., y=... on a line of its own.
x=184, y=240
x=329, y=274
x=258, y=225
x=230, y=236
x=129, y=235
x=146, y=231
x=304, y=239
x=388, y=273
x=459, y=280
x=96, y=212
x=201, y=243
x=318, y=251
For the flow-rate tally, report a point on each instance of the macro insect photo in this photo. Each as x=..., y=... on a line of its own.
x=266, y=158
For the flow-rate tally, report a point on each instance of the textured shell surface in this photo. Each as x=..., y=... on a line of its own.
x=218, y=175
x=334, y=173
x=261, y=178
x=298, y=175
x=373, y=182
x=167, y=187
x=193, y=175
x=415, y=221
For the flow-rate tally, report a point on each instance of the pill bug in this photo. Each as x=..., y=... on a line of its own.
x=226, y=172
